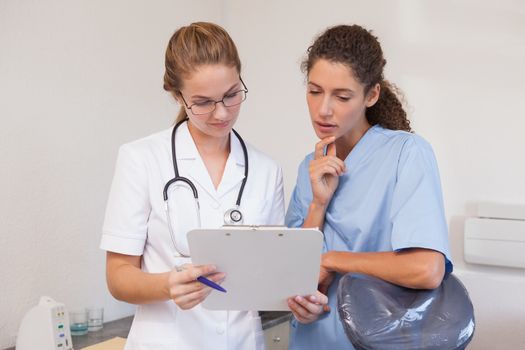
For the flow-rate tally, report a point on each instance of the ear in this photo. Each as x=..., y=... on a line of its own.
x=177, y=98
x=373, y=95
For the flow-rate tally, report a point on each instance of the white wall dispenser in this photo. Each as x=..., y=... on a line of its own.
x=497, y=236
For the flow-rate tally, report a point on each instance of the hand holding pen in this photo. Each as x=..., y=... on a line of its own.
x=189, y=284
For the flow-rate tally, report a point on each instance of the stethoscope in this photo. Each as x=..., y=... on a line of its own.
x=232, y=216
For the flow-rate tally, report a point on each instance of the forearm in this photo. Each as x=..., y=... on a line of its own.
x=315, y=216
x=411, y=268
x=129, y=283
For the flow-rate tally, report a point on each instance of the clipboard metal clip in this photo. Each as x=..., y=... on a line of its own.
x=255, y=227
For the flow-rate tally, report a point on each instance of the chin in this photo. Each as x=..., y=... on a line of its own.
x=322, y=135
x=219, y=133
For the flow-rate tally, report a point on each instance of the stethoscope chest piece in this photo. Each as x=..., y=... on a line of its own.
x=233, y=216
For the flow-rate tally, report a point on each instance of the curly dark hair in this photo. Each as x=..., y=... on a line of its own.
x=360, y=50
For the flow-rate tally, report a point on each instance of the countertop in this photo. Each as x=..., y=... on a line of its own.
x=120, y=328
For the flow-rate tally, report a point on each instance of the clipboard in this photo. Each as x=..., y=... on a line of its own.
x=264, y=265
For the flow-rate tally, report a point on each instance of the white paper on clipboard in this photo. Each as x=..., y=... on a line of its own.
x=264, y=265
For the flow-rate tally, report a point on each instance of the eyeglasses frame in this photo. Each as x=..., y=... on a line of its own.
x=245, y=89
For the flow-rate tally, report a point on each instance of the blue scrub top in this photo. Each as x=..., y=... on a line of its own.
x=389, y=199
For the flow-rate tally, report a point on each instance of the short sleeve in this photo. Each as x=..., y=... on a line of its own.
x=297, y=207
x=128, y=207
x=417, y=212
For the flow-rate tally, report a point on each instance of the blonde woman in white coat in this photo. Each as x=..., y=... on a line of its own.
x=148, y=266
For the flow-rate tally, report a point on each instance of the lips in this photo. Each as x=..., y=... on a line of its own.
x=325, y=127
x=220, y=125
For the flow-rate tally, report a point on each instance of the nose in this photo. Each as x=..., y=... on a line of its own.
x=220, y=112
x=325, y=109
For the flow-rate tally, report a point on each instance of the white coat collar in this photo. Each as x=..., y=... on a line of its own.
x=190, y=164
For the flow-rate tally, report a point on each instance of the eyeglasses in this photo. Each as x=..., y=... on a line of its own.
x=232, y=99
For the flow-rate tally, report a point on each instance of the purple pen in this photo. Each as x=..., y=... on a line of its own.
x=211, y=284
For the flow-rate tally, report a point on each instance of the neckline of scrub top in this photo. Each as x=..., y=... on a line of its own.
x=187, y=151
x=356, y=154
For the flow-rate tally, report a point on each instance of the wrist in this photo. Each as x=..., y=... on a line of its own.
x=166, y=285
x=326, y=261
x=315, y=216
x=318, y=206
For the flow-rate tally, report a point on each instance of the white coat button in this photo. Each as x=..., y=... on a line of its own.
x=220, y=330
x=215, y=205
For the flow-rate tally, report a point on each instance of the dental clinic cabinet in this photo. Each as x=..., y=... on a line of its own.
x=276, y=327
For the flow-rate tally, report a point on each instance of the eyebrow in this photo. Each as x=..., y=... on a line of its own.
x=335, y=90
x=209, y=98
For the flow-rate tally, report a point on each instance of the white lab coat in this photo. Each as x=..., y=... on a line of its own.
x=135, y=224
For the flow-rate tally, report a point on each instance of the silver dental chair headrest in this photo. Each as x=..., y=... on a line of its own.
x=380, y=315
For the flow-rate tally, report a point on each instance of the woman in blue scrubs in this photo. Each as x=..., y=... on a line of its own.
x=371, y=185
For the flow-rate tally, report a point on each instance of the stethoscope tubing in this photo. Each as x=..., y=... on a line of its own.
x=194, y=188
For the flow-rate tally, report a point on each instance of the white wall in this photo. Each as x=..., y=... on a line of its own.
x=77, y=80
x=460, y=64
